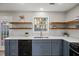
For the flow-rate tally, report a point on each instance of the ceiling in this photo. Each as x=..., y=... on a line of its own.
x=58, y=7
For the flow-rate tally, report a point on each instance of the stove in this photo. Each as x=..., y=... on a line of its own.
x=74, y=49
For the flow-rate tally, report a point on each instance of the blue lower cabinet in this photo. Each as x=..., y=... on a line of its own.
x=18, y=48
x=46, y=47
x=7, y=48
x=11, y=47
x=56, y=47
x=41, y=47
x=65, y=48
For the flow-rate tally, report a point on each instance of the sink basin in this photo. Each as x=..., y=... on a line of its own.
x=40, y=37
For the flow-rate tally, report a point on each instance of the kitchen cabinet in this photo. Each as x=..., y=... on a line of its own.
x=37, y=47
x=47, y=47
x=7, y=52
x=11, y=47
x=56, y=47
x=18, y=48
x=41, y=47
x=65, y=48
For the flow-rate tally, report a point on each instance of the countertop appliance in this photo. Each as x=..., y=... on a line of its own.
x=74, y=49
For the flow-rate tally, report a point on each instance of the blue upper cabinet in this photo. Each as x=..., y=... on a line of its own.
x=41, y=47
x=56, y=48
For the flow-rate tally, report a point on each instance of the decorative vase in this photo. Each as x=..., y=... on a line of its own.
x=21, y=18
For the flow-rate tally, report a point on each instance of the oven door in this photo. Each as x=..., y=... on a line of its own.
x=73, y=52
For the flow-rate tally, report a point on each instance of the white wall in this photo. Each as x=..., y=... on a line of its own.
x=58, y=16
x=71, y=15
x=54, y=16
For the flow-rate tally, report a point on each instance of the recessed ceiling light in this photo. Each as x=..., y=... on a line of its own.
x=51, y=4
x=41, y=9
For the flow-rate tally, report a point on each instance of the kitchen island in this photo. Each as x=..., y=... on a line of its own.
x=31, y=46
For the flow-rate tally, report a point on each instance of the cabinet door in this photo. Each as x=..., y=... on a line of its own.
x=41, y=47
x=7, y=50
x=57, y=48
x=65, y=48
x=46, y=48
x=13, y=46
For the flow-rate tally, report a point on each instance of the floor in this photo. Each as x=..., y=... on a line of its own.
x=2, y=51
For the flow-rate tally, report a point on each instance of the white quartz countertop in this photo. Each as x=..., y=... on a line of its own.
x=69, y=39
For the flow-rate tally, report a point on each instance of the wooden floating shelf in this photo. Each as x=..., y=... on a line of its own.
x=56, y=22
x=64, y=28
x=72, y=22
x=20, y=28
x=67, y=22
x=20, y=22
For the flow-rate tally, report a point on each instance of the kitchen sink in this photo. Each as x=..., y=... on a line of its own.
x=40, y=37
